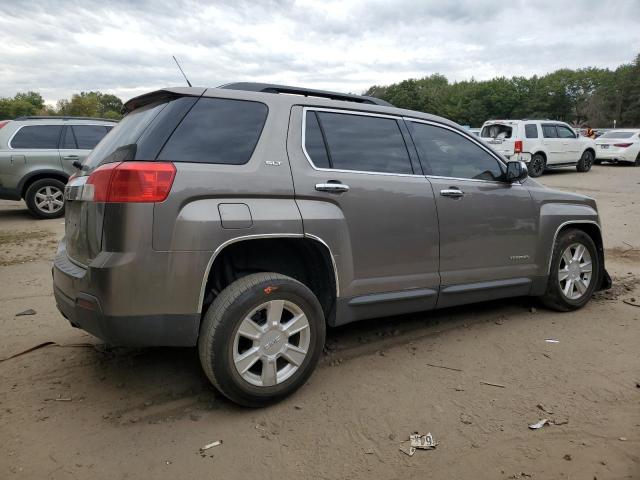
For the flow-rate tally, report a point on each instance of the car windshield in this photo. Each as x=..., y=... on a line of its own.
x=618, y=134
x=496, y=130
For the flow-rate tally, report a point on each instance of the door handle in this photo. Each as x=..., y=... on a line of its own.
x=71, y=157
x=452, y=192
x=332, y=187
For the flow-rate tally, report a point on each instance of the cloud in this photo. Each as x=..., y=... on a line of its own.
x=122, y=47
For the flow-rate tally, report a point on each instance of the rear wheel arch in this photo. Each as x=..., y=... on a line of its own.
x=306, y=259
x=28, y=179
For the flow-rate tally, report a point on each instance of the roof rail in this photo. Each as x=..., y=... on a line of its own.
x=63, y=117
x=307, y=92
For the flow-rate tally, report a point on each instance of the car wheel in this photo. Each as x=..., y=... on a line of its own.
x=537, y=165
x=261, y=338
x=637, y=162
x=574, y=273
x=585, y=162
x=45, y=198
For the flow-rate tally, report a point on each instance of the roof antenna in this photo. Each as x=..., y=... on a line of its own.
x=181, y=71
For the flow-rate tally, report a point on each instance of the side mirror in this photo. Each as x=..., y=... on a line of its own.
x=516, y=172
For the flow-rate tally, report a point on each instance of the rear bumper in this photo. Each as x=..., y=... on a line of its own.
x=519, y=157
x=620, y=156
x=87, y=298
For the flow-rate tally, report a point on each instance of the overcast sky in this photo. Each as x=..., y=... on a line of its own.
x=60, y=47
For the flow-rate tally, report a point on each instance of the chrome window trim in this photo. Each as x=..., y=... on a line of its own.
x=54, y=125
x=560, y=227
x=241, y=238
x=349, y=112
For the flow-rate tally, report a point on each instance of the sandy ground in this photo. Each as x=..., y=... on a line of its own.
x=90, y=412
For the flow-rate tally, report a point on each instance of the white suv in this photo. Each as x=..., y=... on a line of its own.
x=542, y=144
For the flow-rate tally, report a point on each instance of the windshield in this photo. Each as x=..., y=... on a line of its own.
x=496, y=130
x=120, y=143
x=613, y=134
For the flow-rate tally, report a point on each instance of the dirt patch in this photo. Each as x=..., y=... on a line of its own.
x=627, y=254
x=26, y=246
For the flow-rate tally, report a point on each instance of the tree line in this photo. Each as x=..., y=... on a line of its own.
x=83, y=104
x=592, y=97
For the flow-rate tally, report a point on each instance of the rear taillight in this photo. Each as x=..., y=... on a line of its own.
x=517, y=146
x=127, y=182
x=622, y=145
x=2, y=124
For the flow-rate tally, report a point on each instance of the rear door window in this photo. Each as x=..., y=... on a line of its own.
x=88, y=136
x=314, y=142
x=217, y=130
x=446, y=153
x=531, y=130
x=549, y=131
x=37, y=137
x=364, y=143
x=68, y=140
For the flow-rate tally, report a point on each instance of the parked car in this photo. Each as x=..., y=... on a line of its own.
x=37, y=156
x=244, y=219
x=620, y=145
x=541, y=144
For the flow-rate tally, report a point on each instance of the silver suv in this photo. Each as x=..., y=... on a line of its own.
x=37, y=156
x=246, y=218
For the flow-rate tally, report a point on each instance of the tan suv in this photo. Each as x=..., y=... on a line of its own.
x=37, y=156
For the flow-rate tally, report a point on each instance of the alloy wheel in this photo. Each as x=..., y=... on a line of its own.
x=271, y=343
x=49, y=199
x=575, y=271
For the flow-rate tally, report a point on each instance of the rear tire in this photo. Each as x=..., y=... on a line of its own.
x=571, y=284
x=537, y=164
x=585, y=162
x=637, y=162
x=251, y=353
x=45, y=198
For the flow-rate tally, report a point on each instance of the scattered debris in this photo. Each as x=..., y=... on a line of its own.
x=545, y=410
x=48, y=344
x=491, y=384
x=623, y=439
x=459, y=388
x=538, y=425
x=552, y=340
x=29, y=311
x=368, y=451
x=518, y=476
x=567, y=457
x=533, y=310
x=631, y=302
x=210, y=445
x=408, y=450
x=423, y=442
x=564, y=421
x=445, y=367
x=59, y=398
x=297, y=407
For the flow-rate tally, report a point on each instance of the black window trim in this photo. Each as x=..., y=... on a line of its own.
x=398, y=119
x=468, y=137
x=64, y=134
x=57, y=147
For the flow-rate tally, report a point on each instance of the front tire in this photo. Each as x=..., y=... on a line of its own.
x=45, y=198
x=575, y=271
x=637, y=162
x=537, y=164
x=261, y=338
x=585, y=162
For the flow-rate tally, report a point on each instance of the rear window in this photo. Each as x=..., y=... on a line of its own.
x=531, y=130
x=496, y=130
x=217, y=130
x=120, y=144
x=612, y=134
x=37, y=137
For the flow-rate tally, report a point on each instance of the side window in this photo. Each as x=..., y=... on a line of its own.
x=68, y=141
x=531, y=130
x=37, y=137
x=88, y=136
x=564, y=132
x=314, y=142
x=450, y=154
x=365, y=143
x=217, y=130
x=549, y=131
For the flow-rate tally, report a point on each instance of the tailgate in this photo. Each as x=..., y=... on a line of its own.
x=500, y=135
x=83, y=223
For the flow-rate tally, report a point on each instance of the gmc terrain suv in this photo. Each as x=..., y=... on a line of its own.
x=37, y=155
x=244, y=219
x=541, y=144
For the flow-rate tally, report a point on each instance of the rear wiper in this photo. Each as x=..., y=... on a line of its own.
x=79, y=165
